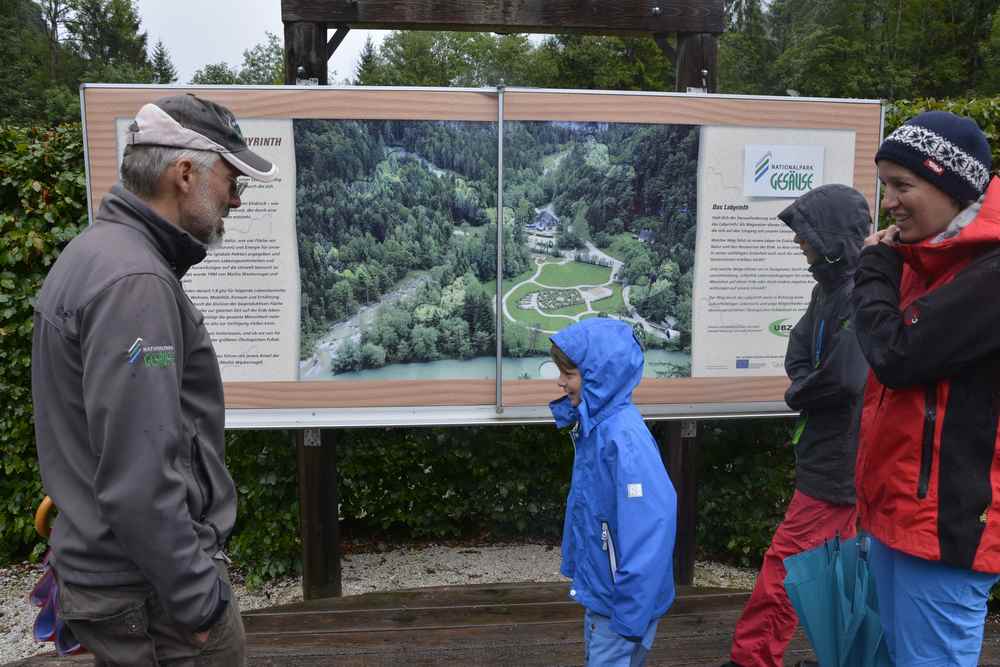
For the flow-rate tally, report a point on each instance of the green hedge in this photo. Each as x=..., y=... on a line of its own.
x=984, y=110
x=746, y=478
x=402, y=484
x=42, y=206
x=452, y=482
x=492, y=482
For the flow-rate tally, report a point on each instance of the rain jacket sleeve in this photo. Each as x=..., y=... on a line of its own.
x=824, y=360
x=646, y=526
x=136, y=429
x=940, y=334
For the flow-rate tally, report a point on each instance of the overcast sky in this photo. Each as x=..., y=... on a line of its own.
x=201, y=32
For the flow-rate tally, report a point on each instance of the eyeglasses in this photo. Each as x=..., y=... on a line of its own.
x=237, y=184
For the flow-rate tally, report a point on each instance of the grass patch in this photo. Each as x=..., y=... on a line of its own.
x=568, y=310
x=616, y=249
x=573, y=274
x=514, y=297
x=571, y=311
x=530, y=318
x=508, y=214
x=610, y=304
x=491, y=285
x=550, y=162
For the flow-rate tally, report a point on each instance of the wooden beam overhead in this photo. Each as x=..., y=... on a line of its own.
x=335, y=41
x=604, y=17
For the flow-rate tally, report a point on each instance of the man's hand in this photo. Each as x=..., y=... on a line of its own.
x=201, y=637
x=888, y=236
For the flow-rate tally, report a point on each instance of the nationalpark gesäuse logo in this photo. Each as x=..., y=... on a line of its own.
x=782, y=170
x=153, y=356
x=762, y=167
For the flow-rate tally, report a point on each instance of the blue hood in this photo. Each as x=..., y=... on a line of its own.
x=610, y=361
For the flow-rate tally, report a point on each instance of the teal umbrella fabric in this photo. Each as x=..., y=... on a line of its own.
x=832, y=591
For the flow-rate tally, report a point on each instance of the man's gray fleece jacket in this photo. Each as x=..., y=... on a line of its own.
x=129, y=414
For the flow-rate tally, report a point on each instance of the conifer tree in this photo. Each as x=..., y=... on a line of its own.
x=163, y=67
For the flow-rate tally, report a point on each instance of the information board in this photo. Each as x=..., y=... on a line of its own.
x=362, y=287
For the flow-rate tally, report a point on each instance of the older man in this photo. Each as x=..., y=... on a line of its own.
x=128, y=401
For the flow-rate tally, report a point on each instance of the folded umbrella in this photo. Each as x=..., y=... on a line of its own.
x=863, y=643
x=832, y=591
x=48, y=626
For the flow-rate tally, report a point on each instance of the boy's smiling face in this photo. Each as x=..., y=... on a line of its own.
x=571, y=382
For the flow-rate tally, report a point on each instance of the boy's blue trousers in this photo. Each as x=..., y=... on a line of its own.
x=607, y=648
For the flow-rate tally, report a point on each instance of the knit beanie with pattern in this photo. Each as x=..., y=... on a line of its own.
x=949, y=151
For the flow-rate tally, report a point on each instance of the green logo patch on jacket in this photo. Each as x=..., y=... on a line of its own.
x=153, y=356
x=158, y=358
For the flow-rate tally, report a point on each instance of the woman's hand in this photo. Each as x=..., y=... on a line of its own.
x=888, y=236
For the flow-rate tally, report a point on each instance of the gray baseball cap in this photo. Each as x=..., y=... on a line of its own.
x=191, y=122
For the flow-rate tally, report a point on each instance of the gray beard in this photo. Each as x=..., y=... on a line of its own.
x=216, y=241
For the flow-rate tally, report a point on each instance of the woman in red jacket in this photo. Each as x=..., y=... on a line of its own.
x=927, y=317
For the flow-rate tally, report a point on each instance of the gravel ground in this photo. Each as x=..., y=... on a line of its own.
x=379, y=570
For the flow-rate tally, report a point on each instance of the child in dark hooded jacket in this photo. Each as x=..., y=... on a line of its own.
x=827, y=372
x=621, y=514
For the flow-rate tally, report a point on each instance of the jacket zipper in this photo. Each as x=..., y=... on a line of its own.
x=608, y=544
x=927, y=450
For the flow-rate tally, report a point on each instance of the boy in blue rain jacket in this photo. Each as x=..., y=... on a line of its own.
x=621, y=514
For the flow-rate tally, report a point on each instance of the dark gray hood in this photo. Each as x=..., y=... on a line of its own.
x=834, y=220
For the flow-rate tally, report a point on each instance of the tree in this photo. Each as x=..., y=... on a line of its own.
x=424, y=343
x=106, y=36
x=600, y=62
x=989, y=53
x=372, y=356
x=428, y=58
x=348, y=357
x=163, y=67
x=264, y=64
x=745, y=52
x=368, y=72
x=412, y=58
x=55, y=14
x=22, y=46
x=218, y=73
x=524, y=214
x=859, y=48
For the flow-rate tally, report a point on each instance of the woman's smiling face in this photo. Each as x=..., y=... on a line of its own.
x=919, y=209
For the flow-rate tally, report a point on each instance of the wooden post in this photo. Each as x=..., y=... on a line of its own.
x=305, y=53
x=697, y=62
x=678, y=447
x=318, y=516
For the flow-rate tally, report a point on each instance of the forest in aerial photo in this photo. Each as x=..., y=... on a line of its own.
x=397, y=233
